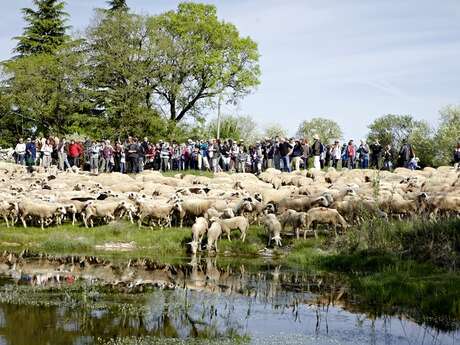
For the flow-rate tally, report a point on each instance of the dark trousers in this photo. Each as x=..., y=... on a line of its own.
x=131, y=165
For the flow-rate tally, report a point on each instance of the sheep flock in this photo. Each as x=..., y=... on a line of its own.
x=214, y=207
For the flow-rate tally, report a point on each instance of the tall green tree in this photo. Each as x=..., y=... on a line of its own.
x=395, y=129
x=45, y=31
x=196, y=57
x=45, y=91
x=448, y=134
x=118, y=72
x=118, y=5
x=327, y=130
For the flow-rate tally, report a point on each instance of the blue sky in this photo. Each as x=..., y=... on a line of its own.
x=348, y=60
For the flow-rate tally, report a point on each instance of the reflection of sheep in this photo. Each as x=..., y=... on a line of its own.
x=295, y=219
x=322, y=215
x=214, y=232
x=227, y=225
x=273, y=228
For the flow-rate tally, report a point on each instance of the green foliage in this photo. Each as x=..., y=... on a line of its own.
x=45, y=30
x=423, y=241
x=447, y=135
x=196, y=57
x=234, y=127
x=394, y=129
x=328, y=130
x=275, y=130
x=44, y=91
x=118, y=5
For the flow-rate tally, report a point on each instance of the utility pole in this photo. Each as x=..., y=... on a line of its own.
x=218, y=116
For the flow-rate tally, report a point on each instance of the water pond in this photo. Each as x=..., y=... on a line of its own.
x=203, y=302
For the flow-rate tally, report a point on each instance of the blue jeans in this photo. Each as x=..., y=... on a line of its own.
x=365, y=163
x=286, y=163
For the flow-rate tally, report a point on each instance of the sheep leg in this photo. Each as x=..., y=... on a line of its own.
x=74, y=218
x=269, y=240
x=23, y=222
x=130, y=216
x=85, y=221
x=297, y=233
x=6, y=220
x=42, y=221
x=243, y=235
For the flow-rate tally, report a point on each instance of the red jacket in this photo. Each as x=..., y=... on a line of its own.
x=74, y=150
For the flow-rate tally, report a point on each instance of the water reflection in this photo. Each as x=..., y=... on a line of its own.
x=73, y=303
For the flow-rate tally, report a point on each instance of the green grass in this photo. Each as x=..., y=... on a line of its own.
x=172, y=173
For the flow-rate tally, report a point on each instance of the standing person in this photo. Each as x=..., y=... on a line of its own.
x=316, y=149
x=20, y=152
x=31, y=152
x=47, y=150
x=122, y=161
x=242, y=158
x=327, y=154
x=74, y=153
x=164, y=155
x=132, y=156
x=285, y=149
x=457, y=157
x=108, y=152
x=216, y=155
x=270, y=149
x=388, y=158
x=406, y=154
x=225, y=155
x=102, y=160
x=375, y=155
x=94, y=154
x=62, y=150
x=363, y=151
x=117, y=150
x=336, y=154
x=204, y=152
x=144, y=147
x=276, y=154
x=296, y=155
x=234, y=151
x=351, y=154
x=306, y=152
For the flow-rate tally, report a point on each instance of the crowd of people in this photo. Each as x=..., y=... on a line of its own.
x=133, y=155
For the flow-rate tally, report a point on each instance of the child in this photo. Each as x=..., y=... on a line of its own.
x=122, y=161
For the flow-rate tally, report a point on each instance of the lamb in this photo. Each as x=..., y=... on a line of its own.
x=214, y=233
x=42, y=210
x=323, y=215
x=273, y=228
x=295, y=219
x=227, y=225
x=198, y=230
x=8, y=209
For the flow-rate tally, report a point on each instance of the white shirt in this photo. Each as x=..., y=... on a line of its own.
x=20, y=149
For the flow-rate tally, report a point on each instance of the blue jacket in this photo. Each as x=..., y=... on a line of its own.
x=31, y=151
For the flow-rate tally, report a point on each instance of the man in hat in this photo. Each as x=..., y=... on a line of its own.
x=317, y=149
